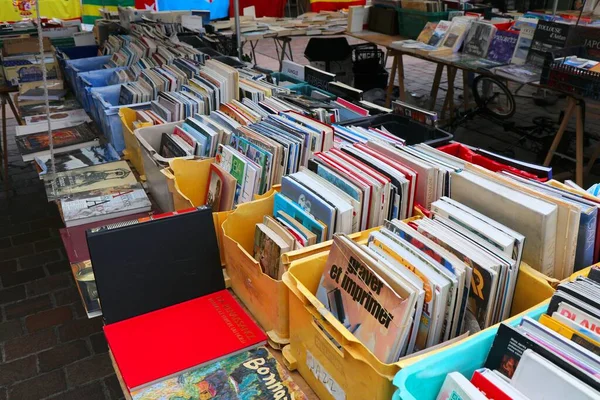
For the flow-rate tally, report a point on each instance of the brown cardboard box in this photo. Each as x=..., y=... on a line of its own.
x=24, y=45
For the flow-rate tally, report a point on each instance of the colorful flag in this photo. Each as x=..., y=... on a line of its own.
x=15, y=10
x=91, y=8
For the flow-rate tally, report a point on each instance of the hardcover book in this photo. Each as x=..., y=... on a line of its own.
x=548, y=36
x=233, y=378
x=97, y=177
x=65, y=139
x=478, y=39
x=524, y=43
x=150, y=348
x=85, y=207
x=502, y=46
x=132, y=281
x=80, y=158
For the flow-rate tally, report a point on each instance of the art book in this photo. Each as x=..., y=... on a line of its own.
x=362, y=300
x=478, y=39
x=80, y=158
x=233, y=378
x=173, y=340
x=97, y=177
x=502, y=46
x=64, y=140
x=85, y=207
x=548, y=36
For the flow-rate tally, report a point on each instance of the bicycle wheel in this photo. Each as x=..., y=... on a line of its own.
x=493, y=97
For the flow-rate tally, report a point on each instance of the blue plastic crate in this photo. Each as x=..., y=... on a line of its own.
x=283, y=77
x=105, y=111
x=72, y=53
x=423, y=379
x=73, y=67
x=306, y=90
x=91, y=79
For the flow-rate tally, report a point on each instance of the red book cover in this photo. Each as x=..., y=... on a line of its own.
x=165, y=342
x=74, y=240
x=490, y=390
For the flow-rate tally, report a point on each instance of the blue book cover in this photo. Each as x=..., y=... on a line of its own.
x=584, y=255
x=502, y=46
x=309, y=201
x=283, y=203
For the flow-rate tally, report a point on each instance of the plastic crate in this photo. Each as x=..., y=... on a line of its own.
x=72, y=53
x=149, y=139
x=423, y=379
x=105, y=111
x=90, y=79
x=132, y=151
x=412, y=22
x=367, y=81
x=411, y=131
x=73, y=67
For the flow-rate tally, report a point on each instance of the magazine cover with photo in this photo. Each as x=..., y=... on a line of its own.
x=250, y=375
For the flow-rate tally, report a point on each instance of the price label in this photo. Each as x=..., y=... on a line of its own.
x=323, y=376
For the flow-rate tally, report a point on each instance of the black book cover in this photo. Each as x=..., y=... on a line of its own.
x=170, y=149
x=569, y=289
x=62, y=137
x=548, y=36
x=594, y=274
x=509, y=346
x=317, y=78
x=563, y=297
x=141, y=267
x=349, y=94
x=588, y=37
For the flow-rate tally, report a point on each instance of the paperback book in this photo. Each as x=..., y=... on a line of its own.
x=64, y=140
x=548, y=36
x=478, y=39
x=80, y=158
x=503, y=46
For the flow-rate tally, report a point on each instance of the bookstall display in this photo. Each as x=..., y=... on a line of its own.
x=305, y=242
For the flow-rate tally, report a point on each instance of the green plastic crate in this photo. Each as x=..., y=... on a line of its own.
x=412, y=22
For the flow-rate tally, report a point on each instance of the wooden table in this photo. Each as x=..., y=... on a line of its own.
x=5, y=97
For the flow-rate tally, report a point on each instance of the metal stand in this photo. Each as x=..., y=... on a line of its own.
x=253, y=44
x=283, y=48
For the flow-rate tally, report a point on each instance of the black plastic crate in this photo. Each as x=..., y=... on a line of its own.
x=411, y=131
x=367, y=81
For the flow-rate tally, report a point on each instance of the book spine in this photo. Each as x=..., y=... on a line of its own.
x=584, y=255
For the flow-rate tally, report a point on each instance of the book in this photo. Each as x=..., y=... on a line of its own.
x=318, y=78
x=548, y=36
x=457, y=387
x=64, y=140
x=439, y=33
x=80, y=158
x=220, y=191
x=493, y=386
x=72, y=116
x=86, y=285
x=85, y=207
x=524, y=42
x=95, y=177
x=147, y=348
x=293, y=69
x=456, y=35
x=236, y=377
x=63, y=106
x=354, y=291
x=523, y=73
x=503, y=46
x=38, y=94
x=586, y=36
x=427, y=32
x=132, y=282
x=478, y=39
x=268, y=248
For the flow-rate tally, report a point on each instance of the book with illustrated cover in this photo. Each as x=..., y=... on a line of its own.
x=522, y=73
x=439, y=33
x=165, y=343
x=361, y=299
x=73, y=116
x=86, y=285
x=478, y=39
x=268, y=248
x=221, y=189
x=64, y=140
x=31, y=110
x=102, y=176
x=548, y=36
x=232, y=378
x=85, y=207
x=80, y=158
x=524, y=42
x=503, y=46
x=456, y=35
x=427, y=32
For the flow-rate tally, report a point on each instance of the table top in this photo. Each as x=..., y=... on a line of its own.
x=380, y=39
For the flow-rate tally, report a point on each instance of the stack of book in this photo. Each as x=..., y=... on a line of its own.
x=424, y=282
x=555, y=357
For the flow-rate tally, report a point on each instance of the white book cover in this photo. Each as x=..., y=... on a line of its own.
x=538, y=378
x=74, y=117
x=86, y=207
x=524, y=42
x=457, y=387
